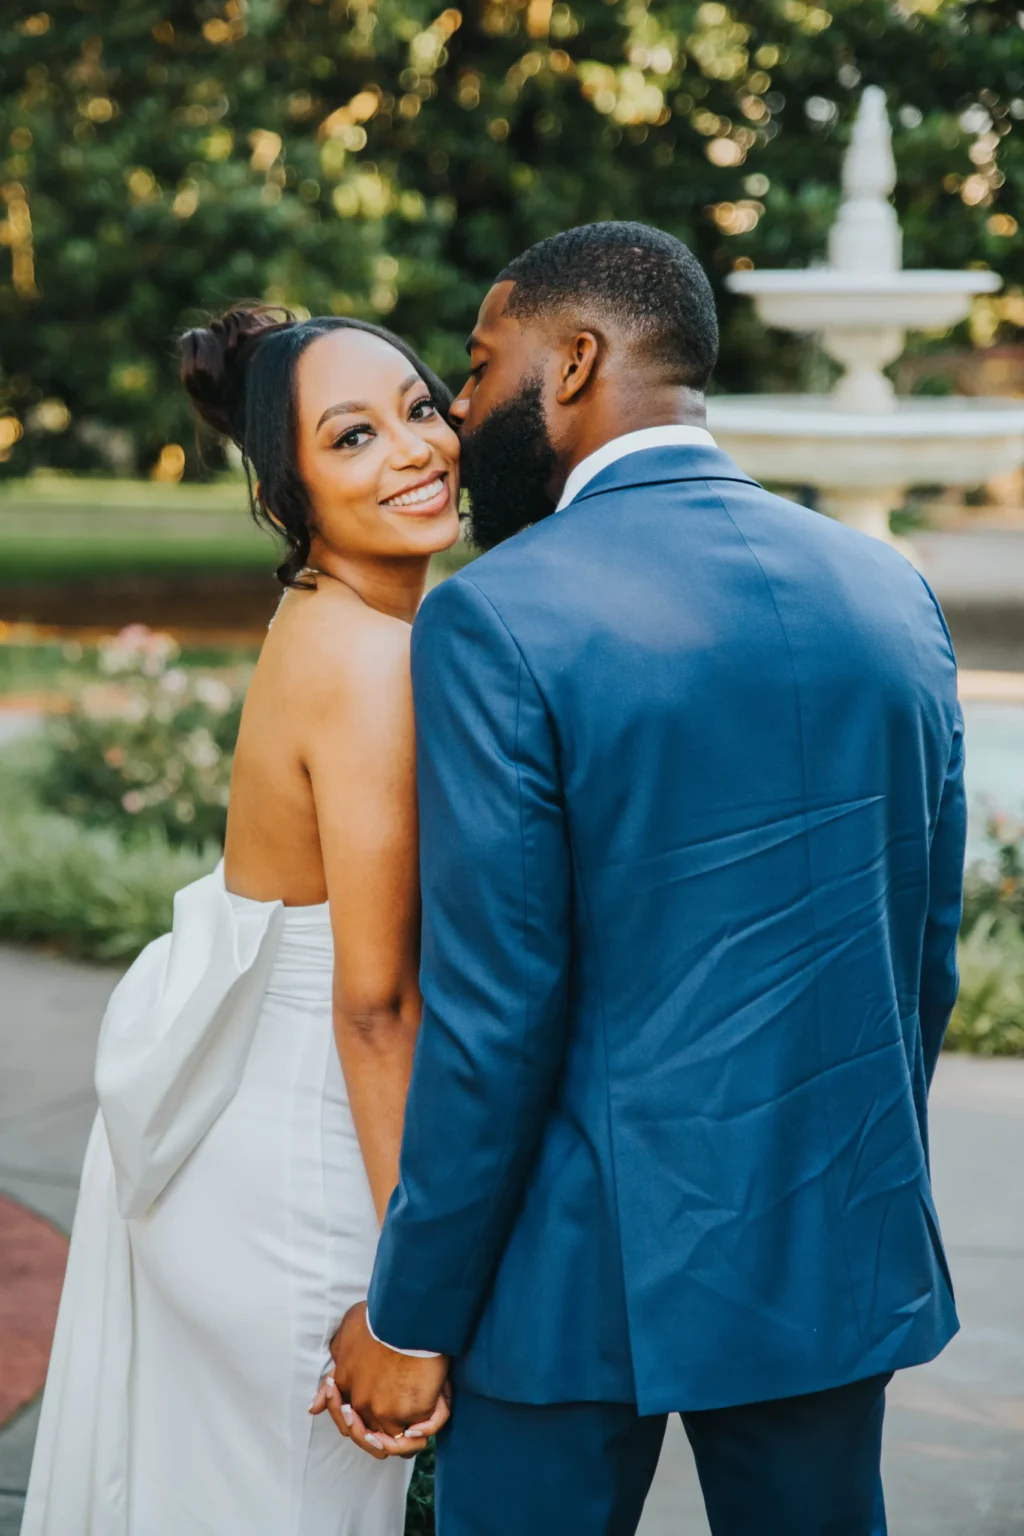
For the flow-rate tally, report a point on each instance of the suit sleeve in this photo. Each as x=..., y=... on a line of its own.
x=939, y=976
x=496, y=879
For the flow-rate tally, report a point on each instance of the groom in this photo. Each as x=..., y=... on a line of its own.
x=693, y=821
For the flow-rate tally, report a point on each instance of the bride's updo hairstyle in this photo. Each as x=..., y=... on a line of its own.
x=239, y=372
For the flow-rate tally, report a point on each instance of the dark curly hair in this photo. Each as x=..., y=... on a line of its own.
x=239, y=371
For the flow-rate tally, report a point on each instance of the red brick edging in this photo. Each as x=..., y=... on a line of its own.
x=32, y=1259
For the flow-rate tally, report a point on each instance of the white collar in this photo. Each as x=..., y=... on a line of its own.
x=631, y=442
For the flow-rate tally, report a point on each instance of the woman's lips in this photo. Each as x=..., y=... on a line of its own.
x=423, y=500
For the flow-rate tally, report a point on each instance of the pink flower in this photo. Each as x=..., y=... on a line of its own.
x=175, y=681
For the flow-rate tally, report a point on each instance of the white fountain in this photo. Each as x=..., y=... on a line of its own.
x=860, y=445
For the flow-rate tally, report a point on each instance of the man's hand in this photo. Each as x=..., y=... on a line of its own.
x=388, y=1403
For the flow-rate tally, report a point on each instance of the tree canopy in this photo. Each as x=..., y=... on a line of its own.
x=385, y=158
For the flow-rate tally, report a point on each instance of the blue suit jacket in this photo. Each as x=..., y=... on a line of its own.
x=693, y=824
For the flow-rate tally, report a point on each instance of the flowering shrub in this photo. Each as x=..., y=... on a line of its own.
x=149, y=748
x=995, y=885
x=989, y=1014
x=85, y=890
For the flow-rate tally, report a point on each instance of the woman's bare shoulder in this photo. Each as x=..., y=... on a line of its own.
x=328, y=648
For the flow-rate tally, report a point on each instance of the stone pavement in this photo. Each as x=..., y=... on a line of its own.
x=954, y=1462
x=49, y=1017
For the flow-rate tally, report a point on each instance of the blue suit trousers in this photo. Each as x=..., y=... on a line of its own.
x=798, y=1466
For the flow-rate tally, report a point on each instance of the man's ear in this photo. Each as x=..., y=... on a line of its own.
x=577, y=366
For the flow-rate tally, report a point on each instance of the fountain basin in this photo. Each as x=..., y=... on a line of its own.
x=808, y=439
x=832, y=299
x=861, y=446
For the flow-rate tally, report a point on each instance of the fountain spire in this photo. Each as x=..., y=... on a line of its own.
x=866, y=236
x=860, y=445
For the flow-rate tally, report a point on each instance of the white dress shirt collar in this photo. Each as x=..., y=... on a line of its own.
x=632, y=442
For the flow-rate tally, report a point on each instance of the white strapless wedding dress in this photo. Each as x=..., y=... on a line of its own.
x=224, y=1225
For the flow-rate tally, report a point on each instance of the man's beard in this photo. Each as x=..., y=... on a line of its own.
x=507, y=464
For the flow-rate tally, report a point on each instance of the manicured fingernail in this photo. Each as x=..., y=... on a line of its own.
x=378, y=1445
x=346, y=1413
x=412, y=1434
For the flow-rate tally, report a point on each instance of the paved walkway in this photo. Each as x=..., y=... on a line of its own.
x=49, y=1017
x=955, y=1435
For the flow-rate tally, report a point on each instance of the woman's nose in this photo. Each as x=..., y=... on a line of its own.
x=410, y=448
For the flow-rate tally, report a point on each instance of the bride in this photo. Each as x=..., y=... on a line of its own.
x=253, y=1064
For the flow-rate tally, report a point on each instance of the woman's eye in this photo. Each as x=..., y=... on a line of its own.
x=353, y=438
x=423, y=410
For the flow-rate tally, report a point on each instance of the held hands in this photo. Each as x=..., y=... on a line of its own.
x=388, y=1403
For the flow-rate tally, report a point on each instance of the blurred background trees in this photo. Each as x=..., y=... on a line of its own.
x=162, y=158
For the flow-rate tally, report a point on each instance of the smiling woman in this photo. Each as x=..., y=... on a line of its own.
x=378, y=469
x=271, y=384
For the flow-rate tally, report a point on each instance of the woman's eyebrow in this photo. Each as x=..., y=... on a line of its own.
x=343, y=408
x=351, y=407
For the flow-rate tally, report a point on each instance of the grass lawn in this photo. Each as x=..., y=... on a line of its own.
x=55, y=528
x=63, y=528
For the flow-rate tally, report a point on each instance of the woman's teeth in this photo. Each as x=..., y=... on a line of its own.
x=413, y=498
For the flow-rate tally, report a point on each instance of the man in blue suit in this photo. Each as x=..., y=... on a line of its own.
x=692, y=808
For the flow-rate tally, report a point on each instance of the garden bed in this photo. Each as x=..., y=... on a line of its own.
x=121, y=799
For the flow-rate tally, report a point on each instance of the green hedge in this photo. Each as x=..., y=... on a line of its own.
x=419, y=1508
x=989, y=1016
x=87, y=892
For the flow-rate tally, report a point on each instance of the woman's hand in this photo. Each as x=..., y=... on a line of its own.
x=386, y=1401
x=376, y=1443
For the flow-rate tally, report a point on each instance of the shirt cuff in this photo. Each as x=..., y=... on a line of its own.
x=417, y=1354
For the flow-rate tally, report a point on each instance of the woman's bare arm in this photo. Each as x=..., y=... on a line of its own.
x=361, y=762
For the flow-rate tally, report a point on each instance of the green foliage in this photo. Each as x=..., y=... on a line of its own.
x=419, y=1507
x=994, y=887
x=30, y=668
x=84, y=892
x=386, y=159
x=152, y=750
x=989, y=1015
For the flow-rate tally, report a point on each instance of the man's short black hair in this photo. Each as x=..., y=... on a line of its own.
x=650, y=283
